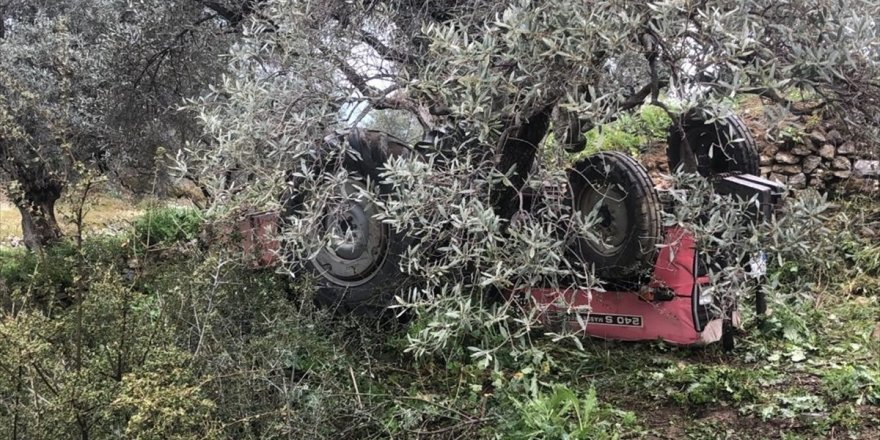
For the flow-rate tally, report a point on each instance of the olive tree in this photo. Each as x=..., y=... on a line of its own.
x=98, y=85
x=487, y=81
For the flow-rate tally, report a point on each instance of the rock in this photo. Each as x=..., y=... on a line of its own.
x=846, y=148
x=867, y=168
x=842, y=174
x=811, y=163
x=786, y=169
x=817, y=183
x=798, y=181
x=801, y=150
x=811, y=418
x=875, y=335
x=821, y=173
x=770, y=150
x=778, y=177
x=834, y=137
x=786, y=158
x=765, y=171
x=818, y=138
x=827, y=151
x=187, y=189
x=841, y=164
x=766, y=160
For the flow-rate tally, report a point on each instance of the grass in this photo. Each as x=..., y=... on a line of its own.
x=10, y=220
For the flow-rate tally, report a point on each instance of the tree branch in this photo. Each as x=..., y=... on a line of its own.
x=232, y=17
x=351, y=75
x=384, y=51
x=159, y=56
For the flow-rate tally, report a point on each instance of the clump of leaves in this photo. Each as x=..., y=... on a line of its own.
x=788, y=405
x=165, y=226
x=631, y=133
x=857, y=383
x=698, y=385
x=563, y=413
x=42, y=277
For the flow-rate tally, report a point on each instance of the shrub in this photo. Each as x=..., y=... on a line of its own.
x=167, y=226
x=631, y=133
x=43, y=275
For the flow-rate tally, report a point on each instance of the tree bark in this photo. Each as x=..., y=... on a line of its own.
x=35, y=198
x=38, y=224
x=36, y=190
x=518, y=152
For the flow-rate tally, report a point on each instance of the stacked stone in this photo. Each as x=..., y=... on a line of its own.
x=823, y=159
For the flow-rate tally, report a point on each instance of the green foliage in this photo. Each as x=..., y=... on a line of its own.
x=74, y=357
x=864, y=256
x=163, y=400
x=630, y=133
x=856, y=383
x=788, y=406
x=166, y=226
x=563, y=414
x=15, y=265
x=701, y=385
x=44, y=274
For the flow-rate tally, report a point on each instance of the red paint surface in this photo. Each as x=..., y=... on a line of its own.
x=260, y=242
x=671, y=320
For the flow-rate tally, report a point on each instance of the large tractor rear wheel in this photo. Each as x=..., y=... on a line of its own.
x=617, y=190
x=359, y=271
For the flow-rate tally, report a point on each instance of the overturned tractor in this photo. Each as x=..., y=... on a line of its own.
x=655, y=275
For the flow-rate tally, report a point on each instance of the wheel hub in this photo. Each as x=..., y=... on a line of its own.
x=358, y=241
x=608, y=204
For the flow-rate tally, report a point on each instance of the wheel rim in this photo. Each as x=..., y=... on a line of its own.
x=608, y=202
x=359, y=242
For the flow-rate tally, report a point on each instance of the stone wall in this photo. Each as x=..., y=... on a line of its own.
x=822, y=159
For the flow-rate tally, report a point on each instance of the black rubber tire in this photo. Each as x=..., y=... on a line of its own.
x=373, y=149
x=719, y=148
x=636, y=254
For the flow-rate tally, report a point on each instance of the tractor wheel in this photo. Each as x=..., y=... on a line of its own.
x=616, y=188
x=719, y=148
x=359, y=271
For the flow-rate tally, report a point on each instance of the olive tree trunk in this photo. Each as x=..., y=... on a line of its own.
x=518, y=151
x=38, y=224
x=35, y=199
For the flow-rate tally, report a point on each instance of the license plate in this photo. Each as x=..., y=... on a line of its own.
x=616, y=320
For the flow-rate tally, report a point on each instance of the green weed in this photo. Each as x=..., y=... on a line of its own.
x=700, y=385
x=856, y=383
x=787, y=406
x=631, y=133
x=167, y=225
x=563, y=414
